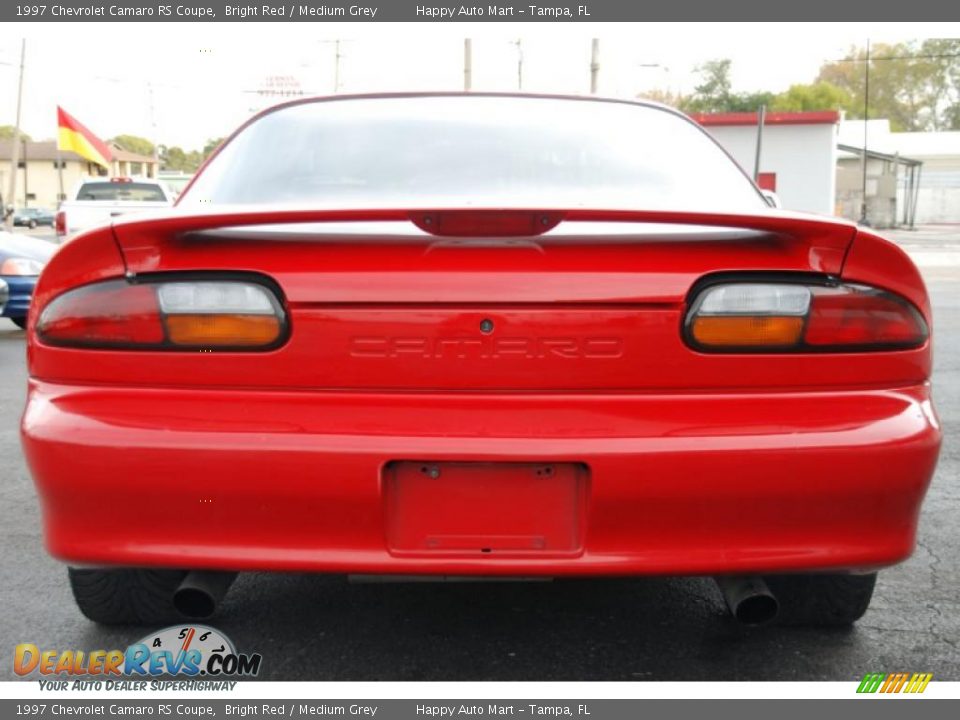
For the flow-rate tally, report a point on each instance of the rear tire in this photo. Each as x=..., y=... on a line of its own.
x=822, y=600
x=126, y=596
x=20, y=322
x=32, y=224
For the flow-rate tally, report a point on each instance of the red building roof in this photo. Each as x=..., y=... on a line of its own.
x=815, y=117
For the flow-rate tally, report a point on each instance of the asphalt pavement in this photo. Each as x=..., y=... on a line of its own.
x=323, y=628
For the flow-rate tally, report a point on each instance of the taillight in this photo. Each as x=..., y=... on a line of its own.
x=20, y=266
x=60, y=222
x=774, y=316
x=176, y=315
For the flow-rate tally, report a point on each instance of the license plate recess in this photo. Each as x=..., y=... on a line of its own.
x=485, y=508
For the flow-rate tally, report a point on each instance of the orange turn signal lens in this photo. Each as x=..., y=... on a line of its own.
x=214, y=330
x=747, y=331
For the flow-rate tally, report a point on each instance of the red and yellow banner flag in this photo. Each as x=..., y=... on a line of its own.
x=73, y=135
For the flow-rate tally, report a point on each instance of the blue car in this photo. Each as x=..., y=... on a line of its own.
x=21, y=260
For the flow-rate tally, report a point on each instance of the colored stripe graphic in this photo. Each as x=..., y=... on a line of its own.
x=894, y=683
x=871, y=682
x=918, y=683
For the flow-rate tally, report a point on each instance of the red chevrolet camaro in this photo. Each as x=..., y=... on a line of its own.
x=479, y=335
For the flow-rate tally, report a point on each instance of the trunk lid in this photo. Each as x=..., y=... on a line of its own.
x=378, y=301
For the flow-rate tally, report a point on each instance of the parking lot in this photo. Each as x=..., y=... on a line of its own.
x=322, y=628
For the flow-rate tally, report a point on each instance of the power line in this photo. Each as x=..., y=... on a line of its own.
x=903, y=57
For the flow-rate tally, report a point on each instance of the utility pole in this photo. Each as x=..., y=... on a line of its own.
x=336, y=66
x=26, y=164
x=467, y=64
x=519, y=43
x=337, y=56
x=15, y=143
x=594, y=65
x=866, y=117
x=761, y=119
x=61, y=196
x=153, y=129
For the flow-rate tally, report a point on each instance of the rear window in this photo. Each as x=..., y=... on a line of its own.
x=114, y=191
x=474, y=151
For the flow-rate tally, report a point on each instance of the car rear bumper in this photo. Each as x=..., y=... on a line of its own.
x=21, y=291
x=679, y=484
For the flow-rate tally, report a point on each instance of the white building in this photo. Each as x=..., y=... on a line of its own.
x=798, y=154
x=45, y=175
x=938, y=178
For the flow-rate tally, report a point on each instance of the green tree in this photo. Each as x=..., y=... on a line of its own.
x=944, y=58
x=174, y=158
x=815, y=96
x=749, y=102
x=951, y=117
x=915, y=85
x=211, y=145
x=665, y=97
x=134, y=144
x=6, y=133
x=713, y=94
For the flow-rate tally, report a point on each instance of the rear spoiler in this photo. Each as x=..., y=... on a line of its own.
x=144, y=234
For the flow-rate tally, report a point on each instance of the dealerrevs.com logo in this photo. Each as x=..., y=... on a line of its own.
x=179, y=650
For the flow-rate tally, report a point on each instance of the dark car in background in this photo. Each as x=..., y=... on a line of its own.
x=21, y=260
x=33, y=217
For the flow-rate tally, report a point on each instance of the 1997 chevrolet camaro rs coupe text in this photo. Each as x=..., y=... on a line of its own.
x=478, y=335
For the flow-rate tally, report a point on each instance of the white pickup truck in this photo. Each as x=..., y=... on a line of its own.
x=95, y=201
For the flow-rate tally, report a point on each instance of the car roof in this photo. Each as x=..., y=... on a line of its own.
x=463, y=94
x=12, y=245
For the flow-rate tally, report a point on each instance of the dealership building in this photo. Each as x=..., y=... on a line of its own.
x=45, y=175
x=814, y=161
x=798, y=153
x=932, y=158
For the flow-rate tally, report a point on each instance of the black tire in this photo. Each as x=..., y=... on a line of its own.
x=126, y=596
x=32, y=224
x=822, y=600
x=20, y=322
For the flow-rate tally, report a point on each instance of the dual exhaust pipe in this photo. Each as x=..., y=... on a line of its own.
x=200, y=593
x=749, y=599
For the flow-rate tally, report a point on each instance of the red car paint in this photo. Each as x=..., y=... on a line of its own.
x=305, y=457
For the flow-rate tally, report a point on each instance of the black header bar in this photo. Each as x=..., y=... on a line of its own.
x=438, y=11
